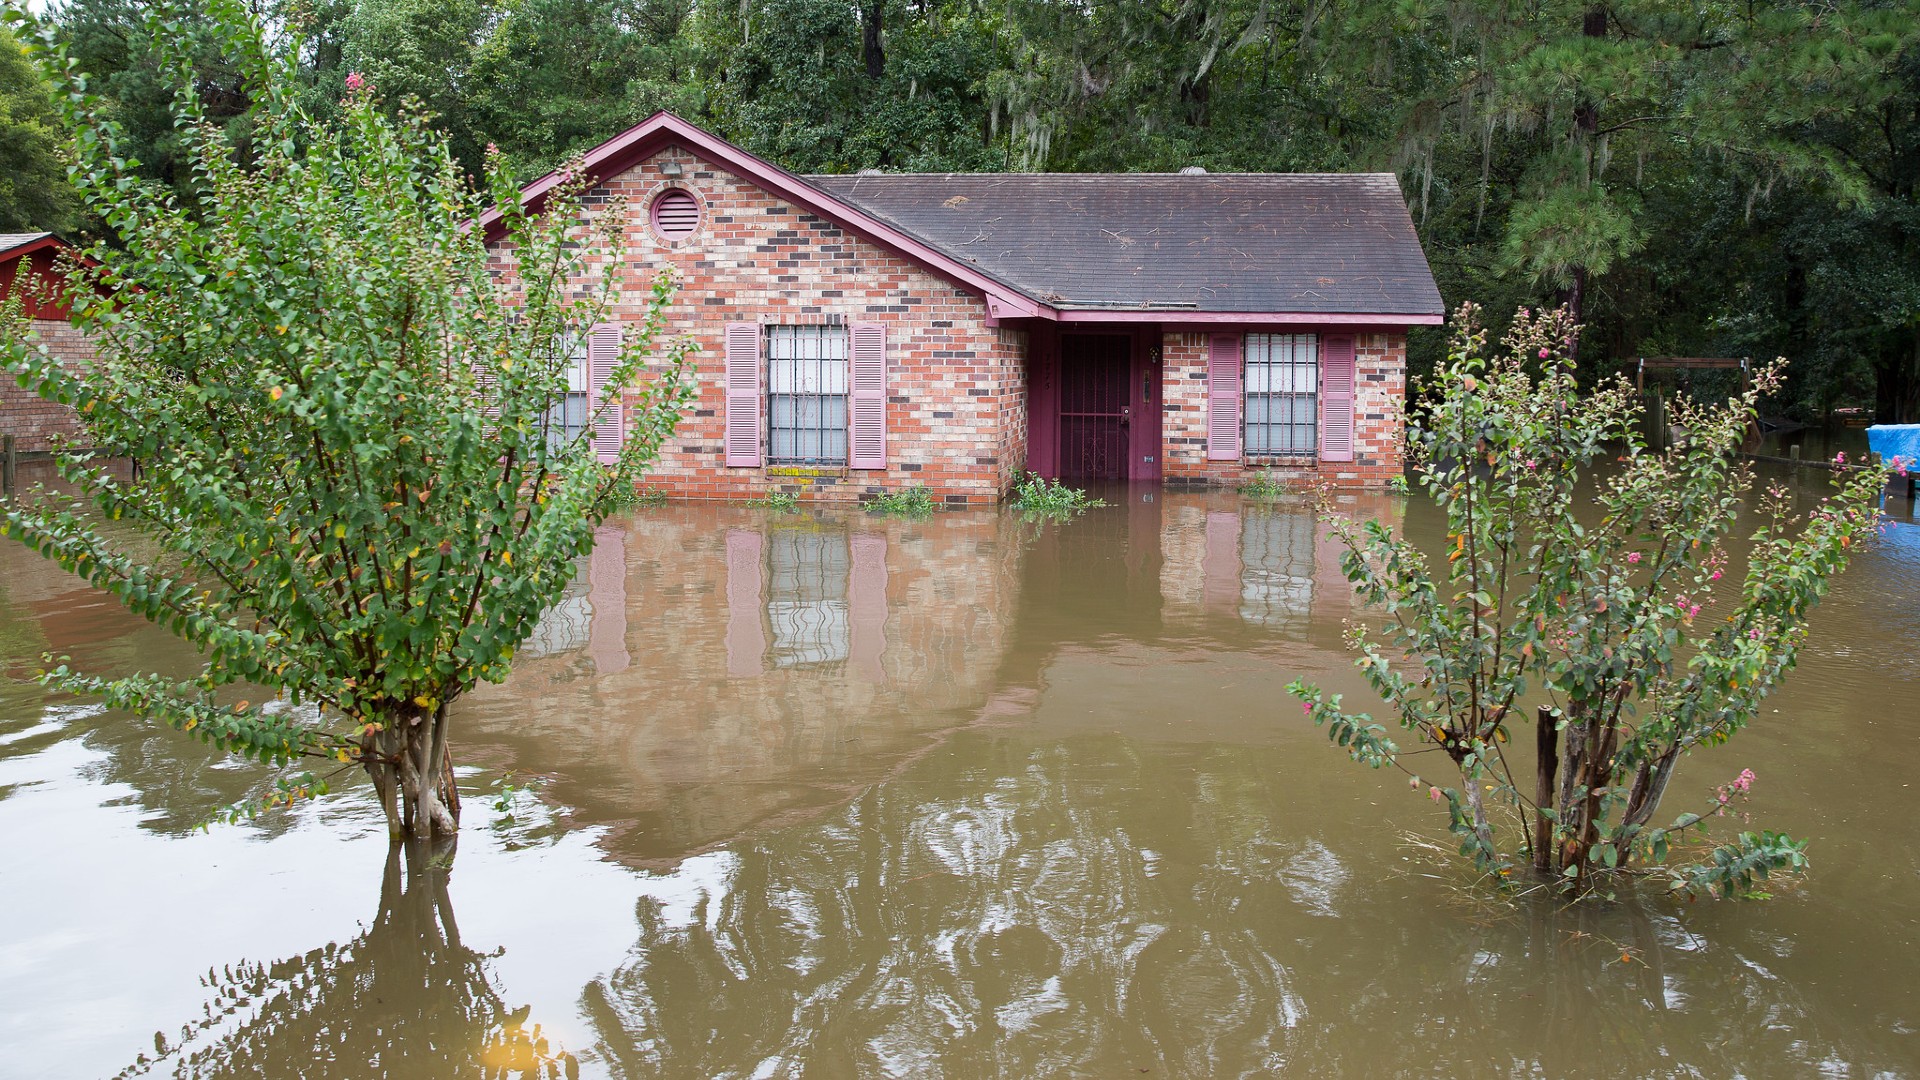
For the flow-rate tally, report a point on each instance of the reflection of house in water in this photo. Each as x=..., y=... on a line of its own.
x=1267, y=566
x=799, y=595
x=592, y=614
x=717, y=666
x=1276, y=567
x=566, y=626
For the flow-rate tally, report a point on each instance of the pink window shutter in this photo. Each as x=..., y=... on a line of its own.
x=1336, y=398
x=746, y=638
x=867, y=409
x=867, y=604
x=1220, y=567
x=1223, y=398
x=607, y=592
x=609, y=428
x=743, y=394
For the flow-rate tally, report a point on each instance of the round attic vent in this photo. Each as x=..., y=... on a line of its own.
x=676, y=214
x=1193, y=170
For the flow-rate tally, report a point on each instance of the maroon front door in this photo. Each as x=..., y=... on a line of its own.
x=1095, y=408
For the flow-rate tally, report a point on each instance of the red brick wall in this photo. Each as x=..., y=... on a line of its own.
x=956, y=387
x=32, y=420
x=1380, y=375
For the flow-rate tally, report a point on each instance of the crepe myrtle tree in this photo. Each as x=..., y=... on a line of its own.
x=355, y=494
x=1596, y=600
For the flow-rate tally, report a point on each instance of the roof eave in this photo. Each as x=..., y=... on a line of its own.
x=39, y=243
x=1190, y=316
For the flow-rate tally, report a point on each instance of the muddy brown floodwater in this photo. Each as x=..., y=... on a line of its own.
x=828, y=795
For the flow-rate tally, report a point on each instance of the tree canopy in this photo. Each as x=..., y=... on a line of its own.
x=1710, y=179
x=34, y=193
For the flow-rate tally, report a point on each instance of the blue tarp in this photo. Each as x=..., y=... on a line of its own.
x=1895, y=440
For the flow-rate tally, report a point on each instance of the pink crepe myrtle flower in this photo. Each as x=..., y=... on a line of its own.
x=1543, y=354
x=1754, y=634
x=1692, y=610
x=1633, y=556
x=355, y=82
x=1306, y=707
x=1840, y=458
x=1744, y=782
x=1715, y=576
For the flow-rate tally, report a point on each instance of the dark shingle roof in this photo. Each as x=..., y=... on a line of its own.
x=1272, y=242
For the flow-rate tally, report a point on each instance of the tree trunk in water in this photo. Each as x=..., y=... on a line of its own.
x=1545, y=770
x=411, y=767
x=1481, y=827
x=1649, y=788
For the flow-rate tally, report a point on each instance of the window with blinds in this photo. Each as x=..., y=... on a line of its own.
x=1282, y=395
x=807, y=395
x=571, y=412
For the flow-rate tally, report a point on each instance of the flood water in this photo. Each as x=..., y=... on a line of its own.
x=828, y=795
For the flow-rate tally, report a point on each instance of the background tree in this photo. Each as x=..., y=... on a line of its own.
x=356, y=491
x=1730, y=180
x=1601, y=604
x=137, y=77
x=555, y=77
x=34, y=193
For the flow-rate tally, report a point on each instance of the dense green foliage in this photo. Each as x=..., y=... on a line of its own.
x=1610, y=607
x=1694, y=179
x=352, y=494
x=915, y=501
x=34, y=193
x=1036, y=496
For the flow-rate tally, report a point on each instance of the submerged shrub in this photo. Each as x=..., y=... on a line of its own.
x=635, y=497
x=915, y=501
x=783, y=501
x=1035, y=494
x=1601, y=608
x=1263, y=486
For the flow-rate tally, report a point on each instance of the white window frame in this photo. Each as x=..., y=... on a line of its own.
x=1280, y=370
x=818, y=370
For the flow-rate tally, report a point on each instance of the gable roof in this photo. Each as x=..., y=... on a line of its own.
x=14, y=245
x=1239, y=242
x=1250, y=247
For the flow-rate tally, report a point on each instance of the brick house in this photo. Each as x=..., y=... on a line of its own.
x=28, y=265
x=872, y=332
